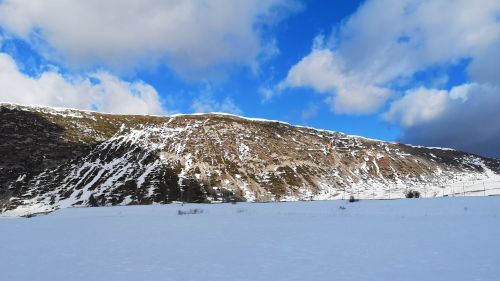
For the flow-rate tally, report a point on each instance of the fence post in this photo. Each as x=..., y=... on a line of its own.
x=484, y=190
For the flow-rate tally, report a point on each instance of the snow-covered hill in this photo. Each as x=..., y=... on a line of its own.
x=439, y=239
x=56, y=158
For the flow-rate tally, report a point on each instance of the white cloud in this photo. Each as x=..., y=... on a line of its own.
x=388, y=41
x=325, y=72
x=229, y=106
x=465, y=118
x=309, y=112
x=267, y=93
x=196, y=38
x=205, y=103
x=114, y=95
x=108, y=94
x=422, y=105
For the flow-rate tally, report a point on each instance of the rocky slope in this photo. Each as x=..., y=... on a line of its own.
x=55, y=158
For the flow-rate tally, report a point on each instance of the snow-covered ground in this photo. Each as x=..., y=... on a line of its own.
x=418, y=239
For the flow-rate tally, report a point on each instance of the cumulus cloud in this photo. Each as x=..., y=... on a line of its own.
x=417, y=106
x=465, y=118
x=325, y=72
x=388, y=40
x=423, y=105
x=99, y=91
x=196, y=38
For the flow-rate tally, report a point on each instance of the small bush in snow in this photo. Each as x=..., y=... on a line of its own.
x=342, y=207
x=190, y=212
x=352, y=199
x=413, y=194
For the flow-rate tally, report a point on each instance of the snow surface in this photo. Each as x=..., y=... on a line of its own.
x=418, y=239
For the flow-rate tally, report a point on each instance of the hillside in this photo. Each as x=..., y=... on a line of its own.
x=56, y=158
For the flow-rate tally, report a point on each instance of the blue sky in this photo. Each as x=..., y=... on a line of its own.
x=421, y=72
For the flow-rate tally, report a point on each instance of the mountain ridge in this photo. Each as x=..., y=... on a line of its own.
x=57, y=158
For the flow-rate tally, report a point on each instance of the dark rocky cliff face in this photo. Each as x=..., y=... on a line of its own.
x=30, y=144
x=53, y=158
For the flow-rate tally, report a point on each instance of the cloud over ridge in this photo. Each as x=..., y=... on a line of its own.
x=376, y=53
x=99, y=91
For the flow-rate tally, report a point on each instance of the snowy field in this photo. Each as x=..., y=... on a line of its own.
x=418, y=239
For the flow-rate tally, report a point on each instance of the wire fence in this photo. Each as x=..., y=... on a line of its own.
x=471, y=188
x=474, y=187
